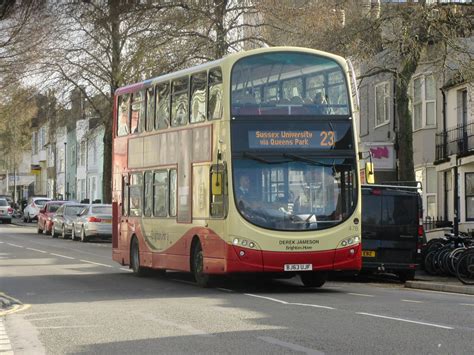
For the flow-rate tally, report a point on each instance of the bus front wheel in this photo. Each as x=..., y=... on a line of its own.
x=313, y=279
x=202, y=279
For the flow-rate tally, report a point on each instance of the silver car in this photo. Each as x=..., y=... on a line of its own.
x=5, y=211
x=94, y=221
x=64, y=219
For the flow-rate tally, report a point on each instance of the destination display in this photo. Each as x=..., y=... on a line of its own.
x=292, y=139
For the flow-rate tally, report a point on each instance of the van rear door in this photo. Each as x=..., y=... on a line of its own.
x=389, y=228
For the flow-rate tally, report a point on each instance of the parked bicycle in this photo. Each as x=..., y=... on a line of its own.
x=442, y=256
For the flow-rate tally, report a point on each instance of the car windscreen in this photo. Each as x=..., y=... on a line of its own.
x=3, y=203
x=40, y=203
x=102, y=210
x=53, y=208
x=73, y=210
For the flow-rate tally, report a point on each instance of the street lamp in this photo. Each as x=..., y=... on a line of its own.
x=66, y=193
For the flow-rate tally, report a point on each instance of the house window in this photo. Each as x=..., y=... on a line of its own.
x=469, y=196
x=428, y=178
x=431, y=188
x=424, y=102
x=382, y=104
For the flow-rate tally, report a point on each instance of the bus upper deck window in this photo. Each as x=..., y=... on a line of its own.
x=150, y=109
x=214, y=105
x=198, y=98
x=123, y=115
x=162, y=117
x=179, y=102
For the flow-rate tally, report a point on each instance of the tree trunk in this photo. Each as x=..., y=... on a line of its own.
x=114, y=18
x=406, y=171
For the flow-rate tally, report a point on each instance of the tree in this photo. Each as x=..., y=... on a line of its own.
x=406, y=33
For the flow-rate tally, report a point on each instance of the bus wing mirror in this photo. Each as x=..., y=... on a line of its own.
x=216, y=182
x=369, y=173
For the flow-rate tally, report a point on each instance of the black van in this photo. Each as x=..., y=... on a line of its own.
x=391, y=230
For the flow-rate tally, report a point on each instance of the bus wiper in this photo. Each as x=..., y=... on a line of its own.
x=306, y=160
x=262, y=160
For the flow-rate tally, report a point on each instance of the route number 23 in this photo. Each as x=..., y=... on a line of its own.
x=328, y=139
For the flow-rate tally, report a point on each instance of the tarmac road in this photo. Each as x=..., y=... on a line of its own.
x=75, y=299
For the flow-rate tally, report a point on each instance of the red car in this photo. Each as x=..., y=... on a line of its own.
x=45, y=216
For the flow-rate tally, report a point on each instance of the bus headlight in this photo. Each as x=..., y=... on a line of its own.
x=349, y=241
x=244, y=243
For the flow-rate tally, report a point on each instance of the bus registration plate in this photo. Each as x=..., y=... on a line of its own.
x=298, y=267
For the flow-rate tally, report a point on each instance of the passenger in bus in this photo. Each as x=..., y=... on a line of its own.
x=243, y=189
x=321, y=104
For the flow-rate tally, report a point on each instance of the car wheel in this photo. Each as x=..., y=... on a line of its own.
x=202, y=279
x=28, y=219
x=40, y=231
x=63, y=232
x=73, y=233
x=313, y=279
x=53, y=232
x=83, y=235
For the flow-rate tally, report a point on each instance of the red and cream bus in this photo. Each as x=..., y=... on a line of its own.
x=247, y=164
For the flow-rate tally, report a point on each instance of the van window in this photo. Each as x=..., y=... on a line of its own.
x=372, y=205
x=400, y=210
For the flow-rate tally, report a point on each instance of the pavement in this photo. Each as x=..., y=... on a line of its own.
x=423, y=281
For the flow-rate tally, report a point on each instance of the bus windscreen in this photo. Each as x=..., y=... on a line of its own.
x=289, y=84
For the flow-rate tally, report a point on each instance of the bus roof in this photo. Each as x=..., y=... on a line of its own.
x=233, y=57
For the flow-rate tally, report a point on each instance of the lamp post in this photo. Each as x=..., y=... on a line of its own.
x=66, y=193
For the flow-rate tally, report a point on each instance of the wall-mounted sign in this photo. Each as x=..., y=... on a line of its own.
x=383, y=155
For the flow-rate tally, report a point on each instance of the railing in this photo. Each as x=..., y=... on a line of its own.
x=435, y=222
x=455, y=141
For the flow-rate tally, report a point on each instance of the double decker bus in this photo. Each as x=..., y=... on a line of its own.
x=246, y=164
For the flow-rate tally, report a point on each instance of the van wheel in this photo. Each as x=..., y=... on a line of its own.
x=406, y=275
x=314, y=279
x=202, y=279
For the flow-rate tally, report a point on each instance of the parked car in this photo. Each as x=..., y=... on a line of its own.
x=64, y=218
x=8, y=198
x=94, y=221
x=391, y=230
x=45, y=216
x=32, y=209
x=5, y=211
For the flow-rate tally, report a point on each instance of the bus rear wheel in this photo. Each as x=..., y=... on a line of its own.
x=202, y=279
x=314, y=279
x=135, y=259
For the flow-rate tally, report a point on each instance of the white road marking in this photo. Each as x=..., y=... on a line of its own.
x=41, y=251
x=288, y=303
x=224, y=289
x=48, y=318
x=412, y=301
x=62, y=256
x=1, y=242
x=360, y=294
x=125, y=269
x=405, y=320
x=15, y=245
x=4, y=347
x=291, y=346
x=92, y=262
x=68, y=326
x=467, y=304
x=4, y=341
